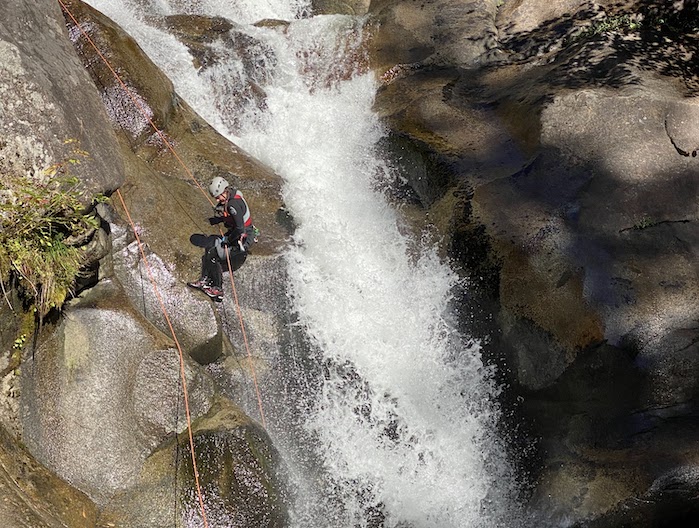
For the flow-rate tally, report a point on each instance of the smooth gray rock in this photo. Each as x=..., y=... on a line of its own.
x=47, y=100
x=90, y=395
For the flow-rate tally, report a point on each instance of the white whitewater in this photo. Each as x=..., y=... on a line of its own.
x=403, y=423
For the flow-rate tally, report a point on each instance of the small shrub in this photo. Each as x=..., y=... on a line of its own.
x=612, y=24
x=42, y=224
x=644, y=223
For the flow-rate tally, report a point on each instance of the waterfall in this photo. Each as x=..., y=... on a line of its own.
x=400, y=422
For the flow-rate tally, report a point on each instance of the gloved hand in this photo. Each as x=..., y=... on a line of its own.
x=242, y=242
x=224, y=240
x=216, y=219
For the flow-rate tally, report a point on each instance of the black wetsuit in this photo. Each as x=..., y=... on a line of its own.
x=235, y=215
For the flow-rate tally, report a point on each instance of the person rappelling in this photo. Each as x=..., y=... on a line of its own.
x=233, y=211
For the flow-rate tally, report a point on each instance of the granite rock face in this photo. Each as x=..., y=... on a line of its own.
x=559, y=166
x=100, y=397
x=48, y=109
x=48, y=103
x=87, y=399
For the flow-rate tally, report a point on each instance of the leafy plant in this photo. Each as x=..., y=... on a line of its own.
x=19, y=342
x=611, y=24
x=644, y=223
x=42, y=225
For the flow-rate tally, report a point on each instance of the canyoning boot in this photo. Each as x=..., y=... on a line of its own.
x=199, y=284
x=212, y=291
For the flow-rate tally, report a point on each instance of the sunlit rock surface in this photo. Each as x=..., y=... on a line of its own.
x=89, y=393
x=558, y=163
x=343, y=7
x=444, y=33
x=47, y=104
x=50, y=113
x=152, y=287
x=166, y=191
x=167, y=203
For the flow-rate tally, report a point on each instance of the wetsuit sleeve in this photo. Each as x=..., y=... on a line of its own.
x=236, y=211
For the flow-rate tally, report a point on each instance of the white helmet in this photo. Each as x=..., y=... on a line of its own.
x=218, y=185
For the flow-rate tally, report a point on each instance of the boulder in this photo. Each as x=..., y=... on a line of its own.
x=105, y=390
x=189, y=312
x=341, y=7
x=239, y=472
x=434, y=32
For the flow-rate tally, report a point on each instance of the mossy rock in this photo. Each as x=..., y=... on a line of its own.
x=34, y=496
x=240, y=475
x=239, y=471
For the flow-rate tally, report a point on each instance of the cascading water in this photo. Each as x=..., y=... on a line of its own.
x=400, y=422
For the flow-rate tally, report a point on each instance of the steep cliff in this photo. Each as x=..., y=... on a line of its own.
x=98, y=399
x=555, y=152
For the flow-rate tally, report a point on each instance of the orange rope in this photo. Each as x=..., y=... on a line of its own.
x=136, y=102
x=179, y=351
x=245, y=339
x=189, y=173
x=157, y=292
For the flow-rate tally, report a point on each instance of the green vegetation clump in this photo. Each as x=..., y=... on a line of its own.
x=42, y=226
x=675, y=23
x=612, y=24
x=644, y=223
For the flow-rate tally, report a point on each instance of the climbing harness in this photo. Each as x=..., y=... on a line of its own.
x=140, y=107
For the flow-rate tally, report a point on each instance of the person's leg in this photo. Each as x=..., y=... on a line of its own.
x=211, y=276
x=237, y=259
x=212, y=267
x=204, y=276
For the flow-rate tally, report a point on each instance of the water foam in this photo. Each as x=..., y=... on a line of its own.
x=403, y=421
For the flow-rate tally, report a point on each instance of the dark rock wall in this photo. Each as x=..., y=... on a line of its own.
x=562, y=177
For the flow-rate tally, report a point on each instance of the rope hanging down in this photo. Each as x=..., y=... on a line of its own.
x=179, y=351
x=165, y=141
x=139, y=106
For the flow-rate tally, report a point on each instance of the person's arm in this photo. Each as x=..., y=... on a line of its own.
x=237, y=210
x=219, y=215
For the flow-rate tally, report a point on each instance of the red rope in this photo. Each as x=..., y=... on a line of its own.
x=245, y=340
x=134, y=99
x=143, y=111
x=180, y=353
